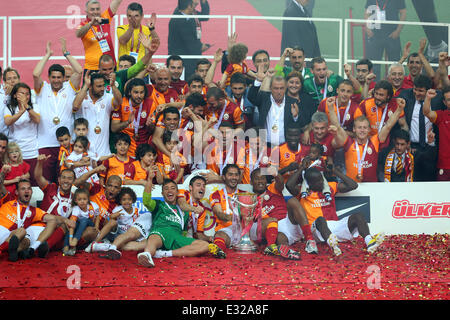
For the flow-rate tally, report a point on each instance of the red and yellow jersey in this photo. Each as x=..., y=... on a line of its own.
x=186, y=195
x=106, y=206
x=217, y=159
x=316, y=206
x=158, y=98
x=370, y=161
x=185, y=90
x=232, y=116
x=218, y=198
x=326, y=142
x=233, y=68
x=249, y=159
x=166, y=166
x=30, y=215
x=345, y=119
x=375, y=113
x=91, y=44
x=137, y=173
x=286, y=156
x=62, y=156
x=273, y=203
x=123, y=114
x=116, y=167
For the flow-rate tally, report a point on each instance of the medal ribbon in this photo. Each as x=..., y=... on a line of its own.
x=361, y=159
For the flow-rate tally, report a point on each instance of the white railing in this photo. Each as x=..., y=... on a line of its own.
x=331, y=20
x=4, y=57
x=409, y=23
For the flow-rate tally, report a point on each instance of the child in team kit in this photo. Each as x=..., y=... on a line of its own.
x=65, y=146
x=83, y=213
x=166, y=165
x=19, y=168
x=236, y=57
x=81, y=161
x=119, y=163
x=145, y=160
x=315, y=159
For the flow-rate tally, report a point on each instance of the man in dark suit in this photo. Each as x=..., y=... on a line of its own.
x=277, y=111
x=425, y=153
x=299, y=33
x=185, y=36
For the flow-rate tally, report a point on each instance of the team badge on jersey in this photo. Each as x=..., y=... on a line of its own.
x=369, y=150
x=226, y=116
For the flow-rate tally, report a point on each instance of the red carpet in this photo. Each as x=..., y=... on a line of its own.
x=410, y=267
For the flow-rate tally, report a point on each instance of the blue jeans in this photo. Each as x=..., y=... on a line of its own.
x=82, y=224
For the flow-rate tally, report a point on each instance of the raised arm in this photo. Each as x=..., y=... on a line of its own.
x=114, y=5
x=212, y=69
x=426, y=65
x=38, y=176
x=39, y=68
x=3, y=172
x=347, y=184
x=292, y=184
x=340, y=135
x=427, y=112
x=384, y=132
x=354, y=81
x=76, y=104
x=75, y=78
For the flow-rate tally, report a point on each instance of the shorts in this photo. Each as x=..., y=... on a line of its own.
x=338, y=228
x=4, y=234
x=228, y=231
x=292, y=232
x=172, y=239
x=143, y=223
x=33, y=233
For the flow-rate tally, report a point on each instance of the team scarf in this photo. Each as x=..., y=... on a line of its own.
x=408, y=166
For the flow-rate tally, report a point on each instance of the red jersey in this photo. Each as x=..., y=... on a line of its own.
x=345, y=116
x=178, y=85
x=55, y=202
x=317, y=206
x=106, y=206
x=16, y=171
x=273, y=203
x=326, y=142
x=370, y=160
x=443, y=123
x=114, y=166
x=408, y=82
x=231, y=116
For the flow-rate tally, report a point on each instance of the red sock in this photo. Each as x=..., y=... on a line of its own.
x=220, y=243
x=56, y=237
x=271, y=233
x=307, y=232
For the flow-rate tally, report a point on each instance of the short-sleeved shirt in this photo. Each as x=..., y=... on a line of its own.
x=232, y=116
x=123, y=115
x=16, y=171
x=126, y=219
x=116, y=167
x=392, y=9
x=286, y=157
x=8, y=215
x=186, y=195
x=218, y=198
x=98, y=114
x=249, y=159
x=285, y=71
x=326, y=142
x=133, y=45
x=158, y=98
x=92, y=211
x=317, y=206
x=166, y=166
x=443, y=123
x=316, y=91
x=370, y=164
x=106, y=206
x=50, y=106
x=273, y=203
x=55, y=202
x=91, y=44
x=345, y=119
x=137, y=173
x=24, y=133
x=233, y=68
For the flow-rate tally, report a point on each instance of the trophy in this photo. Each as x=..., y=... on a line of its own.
x=244, y=205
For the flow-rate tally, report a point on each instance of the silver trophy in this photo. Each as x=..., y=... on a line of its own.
x=244, y=205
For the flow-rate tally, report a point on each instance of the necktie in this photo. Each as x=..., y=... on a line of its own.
x=399, y=167
x=421, y=126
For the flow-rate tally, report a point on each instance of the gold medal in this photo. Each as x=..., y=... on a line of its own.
x=359, y=177
x=56, y=120
x=275, y=128
x=97, y=130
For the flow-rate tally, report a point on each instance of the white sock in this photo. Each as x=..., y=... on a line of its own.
x=112, y=246
x=35, y=245
x=367, y=239
x=163, y=254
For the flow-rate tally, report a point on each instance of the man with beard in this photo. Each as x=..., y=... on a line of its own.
x=238, y=92
x=131, y=117
x=380, y=108
x=94, y=103
x=170, y=122
x=175, y=66
x=297, y=60
x=55, y=102
x=27, y=228
x=225, y=111
x=168, y=223
x=365, y=77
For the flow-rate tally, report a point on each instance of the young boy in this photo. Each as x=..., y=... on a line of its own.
x=120, y=163
x=145, y=161
x=399, y=165
x=166, y=164
x=81, y=127
x=63, y=137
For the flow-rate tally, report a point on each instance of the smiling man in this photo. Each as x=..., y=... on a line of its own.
x=168, y=223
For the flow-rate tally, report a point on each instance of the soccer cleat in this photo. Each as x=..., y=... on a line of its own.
x=333, y=243
x=43, y=250
x=215, y=250
x=71, y=252
x=12, y=249
x=311, y=247
x=26, y=254
x=272, y=250
x=288, y=253
x=112, y=254
x=376, y=241
x=145, y=259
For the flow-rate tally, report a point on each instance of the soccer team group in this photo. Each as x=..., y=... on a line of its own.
x=87, y=133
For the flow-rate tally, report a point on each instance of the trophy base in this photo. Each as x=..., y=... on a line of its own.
x=245, y=248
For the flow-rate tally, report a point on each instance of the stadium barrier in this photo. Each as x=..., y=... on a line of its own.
x=395, y=208
x=347, y=22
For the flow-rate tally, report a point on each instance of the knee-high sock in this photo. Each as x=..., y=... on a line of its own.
x=272, y=232
x=220, y=242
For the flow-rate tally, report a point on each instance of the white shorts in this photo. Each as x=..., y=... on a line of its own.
x=293, y=232
x=33, y=233
x=143, y=223
x=228, y=231
x=4, y=234
x=338, y=228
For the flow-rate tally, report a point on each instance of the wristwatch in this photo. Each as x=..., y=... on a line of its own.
x=151, y=28
x=28, y=108
x=67, y=53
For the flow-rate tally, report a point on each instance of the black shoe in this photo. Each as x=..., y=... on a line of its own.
x=12, y=249
x=43, y=249
x=28, y=253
